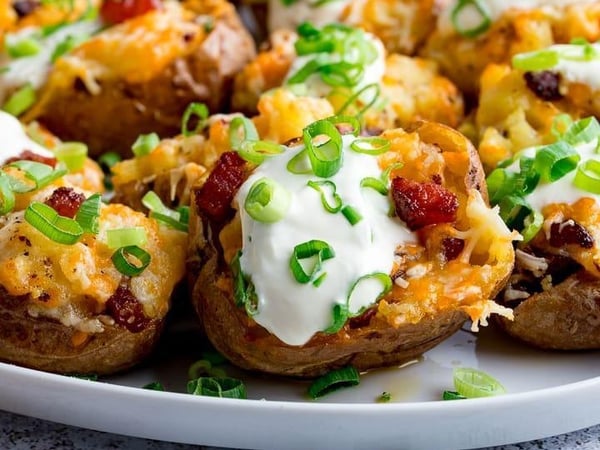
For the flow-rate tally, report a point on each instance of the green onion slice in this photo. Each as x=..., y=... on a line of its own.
x=162, y=213
x=582, y=131
x=340, y=120
x=200, y=111
x=325, y=155
x=243, y=288
x=304, y=72
x=299, y=164
x=351, y=214
x=483, y=12
x=556, y=160
x=385, y=175
x=536, y=61
x=318, y=251
x=330, y=199
x=256, y=152
x=587, y=177
x=376, y=184
x=68, y=44
x=40, y=174
x=334, y=380
x=267, y=201
x=217, y=387
x=342, y=73
x=340, y=316
x=473, y=383
x=72, y=154
x=205, y=367
x=20, y=101
x=452, y=395
x=241, y=129
x=154, y=386
x=560, y=125
x=371, y=91
x=144, y=144
x=24, y=47
x=382, y=278
x=125, y=237
x=89, y=213
x=109, y=159
x=370, y=145
x=46, y=220
x=532, y=224
x=513, y=210
x=7, y=196
x=131, y=260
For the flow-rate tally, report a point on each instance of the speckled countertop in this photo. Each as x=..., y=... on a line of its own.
x=24, y=433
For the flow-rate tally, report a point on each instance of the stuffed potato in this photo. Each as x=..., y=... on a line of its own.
x=382, y=290
x=550, y=194
x=84, y=286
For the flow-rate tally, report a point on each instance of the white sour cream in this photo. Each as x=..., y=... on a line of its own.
x=562, y=190
x=34, y=69
x=292, y=311
x=15, y=140
x=471, y=18
x=290, y=16
x=573, y=71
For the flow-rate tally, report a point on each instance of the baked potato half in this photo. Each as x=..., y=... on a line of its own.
x=445, y=254
x=84, y=286
x=554, y=287
x=139, y=76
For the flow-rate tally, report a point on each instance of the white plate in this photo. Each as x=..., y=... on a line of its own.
x=550, y=393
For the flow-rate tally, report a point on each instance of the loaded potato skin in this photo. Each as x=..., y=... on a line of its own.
x=425, y=303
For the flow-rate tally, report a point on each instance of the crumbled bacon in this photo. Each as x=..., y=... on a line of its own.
x=127, y=310
x=363, y=320
x=545, y=84
x=570, y=232
x=421, y=204
x=452, y=247
x=65, y=201
x=28, y=155
x=25, y=7
x=214, y=198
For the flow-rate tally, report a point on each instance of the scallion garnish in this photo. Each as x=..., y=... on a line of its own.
x=144, y=144
x=20, y=101
x=205, y=367
x=357, y=100
x=154, y=386
x=334, y=380
x=323, y=144
x=330, y=199
x=384, y=397
x=217, y=387
x=376, y=184
x=109, y=159
x=7, y=196
x=370, y=145
x=241, y=129
x=482, y=11
x=560, y=125
x=68, y=44
x=88, y=214
x=299, y=164
x=267, y=201
x=317, y=251
x=40, y=174
x=532, y=224
x=452, y=395
x=72, y=154
x=131, y=260
x=536, y=60
x=513, y=211
x=382, y=278
x=256, y=152
x=582, y=131
x=351, y=214
x=473, y=383
x=339, y=121
x=125, y=237
x=243, y=288
x=200, y=111
x=159, y=211
x=587, y=177
x=342, y=73
x=46, y=220
x=556, y=160
x=340, y=315
x=23, y=47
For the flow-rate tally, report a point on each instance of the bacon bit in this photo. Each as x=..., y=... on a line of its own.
x=421, y=204
x=25, y=7
x=28, y=155
x=570, y=232
x=452, y=247
x=214, y=198
x=545, y=84
x=363, y=320
x=126, y=309
x=117, y=11
x=65, y=201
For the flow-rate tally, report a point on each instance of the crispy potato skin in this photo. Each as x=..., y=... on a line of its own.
x=43, y=344
x=566, y=317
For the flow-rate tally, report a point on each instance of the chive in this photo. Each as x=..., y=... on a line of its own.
x=144, y=144
x=72, y=154
x=532, y=224
x=320, y=251
x=20, y=101
x=376, y=184
x=587, y=177
x=536, y=60
x=332, y=381
x=340, y=315
x=200, y=111
x=452, y=395
x=46, y=220
x=351, y=214
x=333, y=206
x=484, y=15
x=88, y=214
x=109, y=159
x=358, y=96
x=384, y=397
x=241, y=129
x=325, y=157
x=205, y=367
x=556, y=160
x=340, y=120
x=582, y=131
x=162, y=213
x=125, y=237
x=243, y=288
x=304, y=72
x=7, y=196
x=131, y=260
x=24, y=47
x=513, y=210
x=217, y=387
x=154, y=386
x=257, y=151
x=473, y=383
x=68, y=44
x=267, y=201
x=370, y=145
x=299, y=164
x=40, y=174
x=342, y=73
x=383, y=278
x=560, y=124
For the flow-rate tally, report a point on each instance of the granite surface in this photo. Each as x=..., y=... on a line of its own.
x=23, y=433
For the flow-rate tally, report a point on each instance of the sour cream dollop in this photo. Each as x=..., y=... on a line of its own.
x=15, y=141
x=282, y=15
x=292, y=311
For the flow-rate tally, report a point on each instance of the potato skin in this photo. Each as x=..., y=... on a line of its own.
x=43, y=344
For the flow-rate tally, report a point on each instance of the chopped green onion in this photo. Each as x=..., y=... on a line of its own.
x=340, y=316
x=243, y=288
x=7, y=196
x=336, y=201
x=257, y=151
x=532, y=224
x=325, y=157
x=46, y=220
x=162, y=213
x=320, y=251
x=384, y=397
x=343, y=120
x=385, y=175
x=144, y=144
x=560, y=124
x=205, y=367
x=131, y=260
x=370, y=145
x=267, y=201
x=376, y=184
x=20, y=101
x=582, y=131
x=587, y=177
x=536, y=61
x=473, y=383
x=299, y=164
x=342, y=73
x=214, y=357
x=305, y=71
x=241, y=129
x=109, y=159
x=319, y=281
x=125, y=237
x=24, y=47
x=484, y=17
x=72, y=154
x=184, y=214
x=154, y=386
x=217, y=387
x=40, y=174
x=334, y=380
x=452, y=395
x=513, y=211
x=353, y=100
x=351, y=214
x=88, y=214
x=383, y=278
x=200, y=110
x=68, y=44
x=556, y=160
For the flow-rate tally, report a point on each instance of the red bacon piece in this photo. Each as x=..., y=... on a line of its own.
x=213, y=199
x=421, y=204
x=570, y=232
x=117, y=11
x=28, y=155
x=65, y=201
x=127, y=310
x=452, y=247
